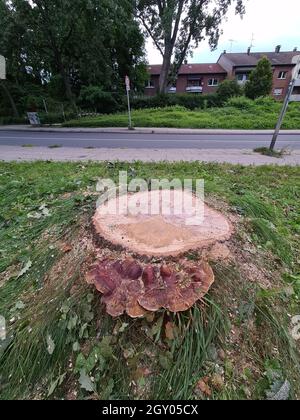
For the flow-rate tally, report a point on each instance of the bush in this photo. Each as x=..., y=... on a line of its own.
x=189, y=101
x=241, y=102
x=261, y=80
x=95, y=99
x=56, y=118
x=229, y=89
x=13, y=120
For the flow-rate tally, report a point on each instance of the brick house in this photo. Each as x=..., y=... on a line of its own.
x=192, y=78
x=205, y=78
x=240, y=65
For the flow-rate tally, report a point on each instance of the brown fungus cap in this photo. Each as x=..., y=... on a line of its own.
x=128, y=287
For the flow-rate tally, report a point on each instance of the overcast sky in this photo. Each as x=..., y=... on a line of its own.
x=272, y=22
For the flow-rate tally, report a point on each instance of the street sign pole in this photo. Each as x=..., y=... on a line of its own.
x=282, y=114
x=127, y=83
x=285, y=105
x=2, y=68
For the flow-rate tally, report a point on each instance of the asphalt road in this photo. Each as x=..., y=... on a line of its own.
x=146, y=141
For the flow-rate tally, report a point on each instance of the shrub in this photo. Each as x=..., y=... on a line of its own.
x=13, y=120
x=241, y=102
x=94, y=98
x=261, y=80
x=189, y=101
x=228, y=89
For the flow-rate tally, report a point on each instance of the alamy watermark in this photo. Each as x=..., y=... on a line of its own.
x=157, y=197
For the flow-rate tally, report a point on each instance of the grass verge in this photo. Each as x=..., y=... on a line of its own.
x=60, y=344
x=238, y=114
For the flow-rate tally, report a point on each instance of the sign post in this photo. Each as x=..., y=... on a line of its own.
x=127, y=83
x=2, y=68
x=285, y=104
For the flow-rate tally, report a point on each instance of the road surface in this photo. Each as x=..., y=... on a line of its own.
x=146, y=141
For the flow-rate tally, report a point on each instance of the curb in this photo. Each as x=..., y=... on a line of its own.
x=170, y=131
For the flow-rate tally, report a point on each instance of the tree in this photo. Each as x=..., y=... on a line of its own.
x=261, y=80
x=178, y=26
x=228, y=89
x=74, y=43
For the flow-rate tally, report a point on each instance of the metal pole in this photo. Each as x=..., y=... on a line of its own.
x=282, y=114
x=129, y=110
x=45, y=106
x=285, y=105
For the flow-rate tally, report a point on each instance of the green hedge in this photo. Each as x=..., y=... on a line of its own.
x=51, y=118
x=189, y=101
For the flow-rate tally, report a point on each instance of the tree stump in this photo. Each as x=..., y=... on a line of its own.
x=134, y=287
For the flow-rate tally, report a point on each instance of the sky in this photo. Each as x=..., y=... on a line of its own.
x=270, y=22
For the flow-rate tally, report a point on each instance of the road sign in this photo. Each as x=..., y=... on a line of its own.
x=127, y=83
x=2, y=67
x=33, y=118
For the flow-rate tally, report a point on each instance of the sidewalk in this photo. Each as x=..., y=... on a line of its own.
x=174, y=131
x=63, y=154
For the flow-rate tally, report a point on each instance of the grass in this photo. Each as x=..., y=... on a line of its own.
x=238, y=114
x=58, y=335
x=268, y=152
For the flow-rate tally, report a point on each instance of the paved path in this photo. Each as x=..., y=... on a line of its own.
x=145, y=141
x=208, y=146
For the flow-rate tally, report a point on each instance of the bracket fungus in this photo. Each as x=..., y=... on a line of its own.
x=132, y=286
x=129, y=287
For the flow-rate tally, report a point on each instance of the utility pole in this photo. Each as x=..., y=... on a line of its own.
x=285, y=105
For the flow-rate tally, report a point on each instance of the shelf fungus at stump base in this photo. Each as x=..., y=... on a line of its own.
x=132, y=286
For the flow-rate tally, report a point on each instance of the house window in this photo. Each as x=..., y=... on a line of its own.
x=149, y=84
x=278, y=92
x=242, y=77
x=194, y=83
x=213, y=82
x=282, y=75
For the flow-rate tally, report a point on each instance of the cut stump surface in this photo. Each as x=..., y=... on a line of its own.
x=161, y=235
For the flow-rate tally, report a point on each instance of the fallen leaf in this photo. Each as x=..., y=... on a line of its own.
x=66, y=248
x=203, y=387
x=50, y=345
x=26, y=268
x=217, y=382
x=170, y=330
x=86, y=382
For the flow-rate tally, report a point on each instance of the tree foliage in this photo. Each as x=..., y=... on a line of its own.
x=261, y=80
x=64, y=45
x=178, y=26
x=228, y=89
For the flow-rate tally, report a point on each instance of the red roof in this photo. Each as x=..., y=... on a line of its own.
x=191, y=69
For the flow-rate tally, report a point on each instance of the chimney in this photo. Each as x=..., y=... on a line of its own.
x=277, y=49
x=249, y=51
x=185, y=62
x=295, y=49
x=225, y=52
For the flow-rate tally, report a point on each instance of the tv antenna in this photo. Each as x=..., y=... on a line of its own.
x=232, y=41
x=252, y=40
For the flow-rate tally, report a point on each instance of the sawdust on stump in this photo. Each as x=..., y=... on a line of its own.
x=134, y=287
x=161, y=235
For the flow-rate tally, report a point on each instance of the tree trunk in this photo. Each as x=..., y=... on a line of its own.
x=165, y=71
x=10, y=99
x=66, y=80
